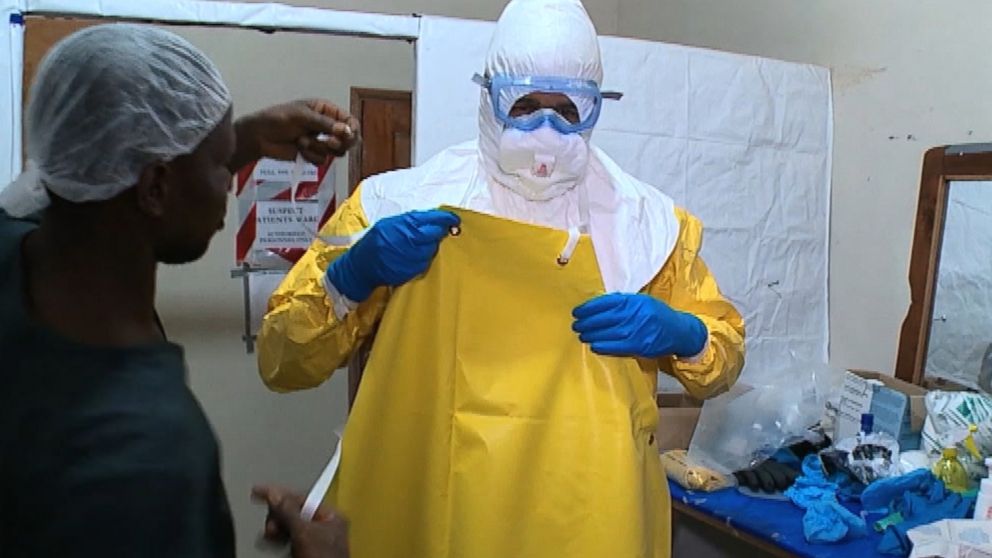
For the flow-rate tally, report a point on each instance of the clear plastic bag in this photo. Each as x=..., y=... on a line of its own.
x=767, y=410
x=871, y=457
x=281, y=206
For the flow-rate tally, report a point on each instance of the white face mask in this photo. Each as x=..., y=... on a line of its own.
x=542, y=164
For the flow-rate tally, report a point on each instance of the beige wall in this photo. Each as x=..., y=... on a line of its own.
x=907, y=76
x=603, y=12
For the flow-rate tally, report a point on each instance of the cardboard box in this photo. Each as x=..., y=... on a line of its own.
x=899, y=407
x=677, y=418
x=943, y=384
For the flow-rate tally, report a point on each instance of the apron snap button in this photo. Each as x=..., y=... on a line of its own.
x=455, y=231
x=562, y=261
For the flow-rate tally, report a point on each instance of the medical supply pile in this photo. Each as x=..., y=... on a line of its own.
x=912, y=464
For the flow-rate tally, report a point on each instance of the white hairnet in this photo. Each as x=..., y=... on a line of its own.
x=107, y=102
x=550, y=38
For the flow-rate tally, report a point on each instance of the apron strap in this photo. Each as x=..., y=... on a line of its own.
x=344, y=241
x=569, y=249
x=575, y=232
x=323, y=484
x=585, y=221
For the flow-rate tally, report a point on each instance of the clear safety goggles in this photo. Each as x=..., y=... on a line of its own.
x=578, y=112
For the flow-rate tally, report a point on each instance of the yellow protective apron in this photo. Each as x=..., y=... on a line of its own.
x=483, y=427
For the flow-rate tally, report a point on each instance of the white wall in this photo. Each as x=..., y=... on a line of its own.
x=907, y=76
x=265, y=437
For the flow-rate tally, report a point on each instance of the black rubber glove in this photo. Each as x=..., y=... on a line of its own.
x=806, y=447
x=771, y=476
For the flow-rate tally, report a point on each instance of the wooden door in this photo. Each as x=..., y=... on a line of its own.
x=386, y=121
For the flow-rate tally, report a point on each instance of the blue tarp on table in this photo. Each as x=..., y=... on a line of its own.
x=778, y=522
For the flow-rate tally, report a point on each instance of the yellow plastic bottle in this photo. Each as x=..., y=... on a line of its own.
x=969, y=443
x=951, y=472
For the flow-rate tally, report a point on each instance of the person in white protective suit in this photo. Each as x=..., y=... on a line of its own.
x=532, y=163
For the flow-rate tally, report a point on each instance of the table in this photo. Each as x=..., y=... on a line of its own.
x=750, y=527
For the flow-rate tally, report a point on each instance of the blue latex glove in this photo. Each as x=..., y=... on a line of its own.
x=392, y=252
x=895, y=541
x=920, y=498
x=638, y=325
x=829, y=522
x=825, y=520
x=879, y=495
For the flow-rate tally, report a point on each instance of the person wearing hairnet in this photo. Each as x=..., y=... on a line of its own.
x=104, y=451
x=503, y=477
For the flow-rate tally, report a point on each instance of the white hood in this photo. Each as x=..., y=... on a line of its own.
x=552, y=38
